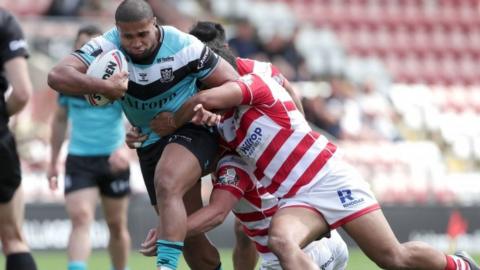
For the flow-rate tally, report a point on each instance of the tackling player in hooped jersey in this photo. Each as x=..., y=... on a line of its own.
x=318, y=191
x=235, y=189
x=165, y=66
x=234, y=185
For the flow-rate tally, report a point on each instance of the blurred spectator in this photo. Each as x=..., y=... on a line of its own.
x=350, y=115
x=167, y=13
x=65, y=7
x=377, y=114
x=246, y=43
x=37, y=7
x=279, y=47
x=325, y=113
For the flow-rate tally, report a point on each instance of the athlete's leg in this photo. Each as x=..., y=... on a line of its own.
x=198, y=251
x=116, y=211
x=17, y=253
x=245, y=254
x=11, y=216
x=177, y=171
x=374, y=236
x=14, y=247
x=291, y=229
x=80, y=206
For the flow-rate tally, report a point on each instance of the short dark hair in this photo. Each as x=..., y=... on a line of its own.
x=133, y=11
x=213, y=35
x=207, y=31
x=224, y=51
x=89, y=30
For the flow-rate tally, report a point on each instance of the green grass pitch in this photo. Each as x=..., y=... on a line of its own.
x=56, y=260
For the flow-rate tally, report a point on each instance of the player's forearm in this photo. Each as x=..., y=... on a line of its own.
x=68, y=80
x=59, y=129
x=16, y=102
x=185, y=113
x=204, y=220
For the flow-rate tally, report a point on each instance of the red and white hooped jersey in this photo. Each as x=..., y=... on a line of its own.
x=270, y=134
x=266, y=69
x=255, y=207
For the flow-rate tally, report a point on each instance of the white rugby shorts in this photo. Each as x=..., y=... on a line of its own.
x=340, y=196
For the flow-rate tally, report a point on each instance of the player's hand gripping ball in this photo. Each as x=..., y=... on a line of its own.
x=103, y=67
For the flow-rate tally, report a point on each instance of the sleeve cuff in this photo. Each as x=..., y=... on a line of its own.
x=234, y=191
x=246, y=93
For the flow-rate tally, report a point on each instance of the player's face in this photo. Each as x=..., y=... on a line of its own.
x=139, y=39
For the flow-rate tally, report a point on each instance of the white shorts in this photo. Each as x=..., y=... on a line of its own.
x=328, y=253
x=340, y=196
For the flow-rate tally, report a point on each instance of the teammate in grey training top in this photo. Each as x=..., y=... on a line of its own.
x=165, y=67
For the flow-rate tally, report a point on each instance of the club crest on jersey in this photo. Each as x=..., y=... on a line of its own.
x=143, y=77
x=229, y=177
x=166, y=75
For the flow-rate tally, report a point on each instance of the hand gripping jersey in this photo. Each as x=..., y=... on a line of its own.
x=164, y=82
x=270, y=134
x=255, y=209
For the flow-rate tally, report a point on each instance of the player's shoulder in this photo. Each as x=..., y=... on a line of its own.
x=254, y=80
x=9, y=26
x=172, y=35
x=112, y=36
x=176, y=40
x=5, y=17
x=244, y=65
x=108, y=41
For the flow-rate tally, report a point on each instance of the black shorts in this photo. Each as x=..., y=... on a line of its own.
x=10, y=174
x=201, y=141
x=94, y=171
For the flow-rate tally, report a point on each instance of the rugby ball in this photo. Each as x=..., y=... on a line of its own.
x=103, y=67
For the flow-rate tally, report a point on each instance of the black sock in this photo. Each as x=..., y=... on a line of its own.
x=21, y=261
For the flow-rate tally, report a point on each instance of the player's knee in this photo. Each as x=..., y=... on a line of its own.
x=279, y=245
x=117, y=228
x=81, y=217
x=166, y=186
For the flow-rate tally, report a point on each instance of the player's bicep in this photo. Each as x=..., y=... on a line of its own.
x=221, y=74
x=72, y=61
x=223, y=200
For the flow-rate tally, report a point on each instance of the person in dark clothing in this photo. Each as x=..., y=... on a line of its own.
x=13, y=75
